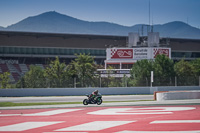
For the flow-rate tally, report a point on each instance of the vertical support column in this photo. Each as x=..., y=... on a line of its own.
x=199, y=80
x=151, y=78
x=100, y=80
x=126, y=81
x=75, y=82
x=175, y=81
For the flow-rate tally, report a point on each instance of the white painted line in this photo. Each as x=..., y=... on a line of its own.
x=10, y=115
x=176, y=121
x=95, y=126
x=52, y=112
x=138, y=111
x=26, y=126
x=65, y=132
x=125, y=111
x=197, y=131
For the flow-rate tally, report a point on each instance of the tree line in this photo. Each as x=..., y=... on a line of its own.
x=166, y=72
x=82, y=72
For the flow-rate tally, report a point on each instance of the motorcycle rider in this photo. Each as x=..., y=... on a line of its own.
x=94, y=95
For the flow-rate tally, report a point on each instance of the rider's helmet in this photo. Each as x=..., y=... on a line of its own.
x=96, y=92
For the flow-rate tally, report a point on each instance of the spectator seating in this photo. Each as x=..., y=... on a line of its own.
x=23, y=68
x=4, y=68
x=17, y=70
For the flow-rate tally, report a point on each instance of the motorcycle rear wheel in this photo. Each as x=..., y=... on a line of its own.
x=85, y=102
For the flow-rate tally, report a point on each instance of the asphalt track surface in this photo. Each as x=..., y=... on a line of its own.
x=73, y=98
x=173, y=116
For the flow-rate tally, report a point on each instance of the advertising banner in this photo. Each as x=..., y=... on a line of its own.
x=159, y=51
x=142, y=53
x=121, y=53
x=137, y=53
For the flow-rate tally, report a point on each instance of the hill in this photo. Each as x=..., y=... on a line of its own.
x=2, y=28
x=58, y=23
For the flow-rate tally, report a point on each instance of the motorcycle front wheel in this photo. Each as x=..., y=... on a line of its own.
x=85, y=102
x=99, y=101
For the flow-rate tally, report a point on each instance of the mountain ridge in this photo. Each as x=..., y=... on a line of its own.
x=60, y=23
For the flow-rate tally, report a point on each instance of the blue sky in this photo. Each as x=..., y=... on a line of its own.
x=123, y=12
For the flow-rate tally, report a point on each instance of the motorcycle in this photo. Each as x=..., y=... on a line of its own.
x=98, y=100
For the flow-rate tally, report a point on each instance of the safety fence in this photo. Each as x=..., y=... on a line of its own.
x=98, y=81
x=130, y=82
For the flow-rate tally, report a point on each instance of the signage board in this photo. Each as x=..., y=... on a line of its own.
x=116, y=53
x=141, y=53
x=159, y=51
x=137, y=53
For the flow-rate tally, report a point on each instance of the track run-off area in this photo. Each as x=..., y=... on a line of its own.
x=117, y=119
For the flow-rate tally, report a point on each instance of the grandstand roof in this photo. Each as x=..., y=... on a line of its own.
x=38, y=39
x=63, y=40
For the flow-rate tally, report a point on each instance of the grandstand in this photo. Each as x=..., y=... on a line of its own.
x=18, y=50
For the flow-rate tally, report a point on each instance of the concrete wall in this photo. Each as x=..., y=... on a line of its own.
x=72, y=91
x=178, y=95
x=174, y=88
x=83, y=91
